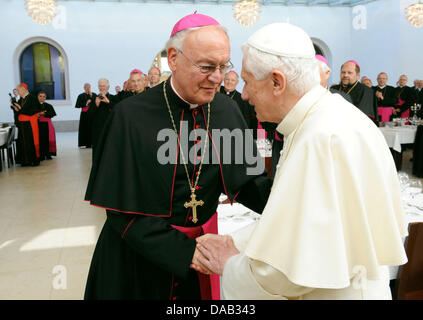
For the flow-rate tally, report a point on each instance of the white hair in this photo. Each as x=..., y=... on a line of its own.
x=302, y=74
x=325, y=67
x=104, y=80
x=178, y=39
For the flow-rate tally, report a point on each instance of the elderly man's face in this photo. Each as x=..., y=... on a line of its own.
x=402, y=81
x=367, y=82
x=21, y=90
x=154, y=76
x=382, y=79
x=103, y=87
x=137, y=82
x=349, y=74
x=87, y=88
x=230, y=81
x=15, y=92
x=207, y=46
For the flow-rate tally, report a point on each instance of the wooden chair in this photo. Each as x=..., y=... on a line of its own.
x=410, y=276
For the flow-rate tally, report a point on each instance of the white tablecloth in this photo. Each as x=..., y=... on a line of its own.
x=396, y=136
x=3, y=136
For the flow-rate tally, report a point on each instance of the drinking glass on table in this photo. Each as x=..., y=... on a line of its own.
x=415, y=187
x=404, y=180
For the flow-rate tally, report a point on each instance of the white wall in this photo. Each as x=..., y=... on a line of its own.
x=108, y=39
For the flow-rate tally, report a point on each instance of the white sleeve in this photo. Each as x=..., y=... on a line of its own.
x=247, y=279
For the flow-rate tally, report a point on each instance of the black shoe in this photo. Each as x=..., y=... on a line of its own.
x=49, y=158
x=35, y=164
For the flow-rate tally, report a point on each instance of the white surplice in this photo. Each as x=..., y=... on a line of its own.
x=334, y=219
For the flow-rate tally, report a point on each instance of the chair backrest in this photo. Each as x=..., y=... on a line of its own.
x=11, y=136
x=410, y=275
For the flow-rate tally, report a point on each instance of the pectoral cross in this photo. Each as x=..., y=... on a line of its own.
x=193, y=204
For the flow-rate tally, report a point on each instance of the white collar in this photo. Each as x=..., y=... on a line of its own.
x=296, y=114
x=192, y=106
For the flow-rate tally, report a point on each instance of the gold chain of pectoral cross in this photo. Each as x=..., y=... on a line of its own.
x=193, y=203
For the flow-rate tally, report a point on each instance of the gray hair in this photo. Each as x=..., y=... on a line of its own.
x=178, y=39
x=104, y=80
x=302, y=74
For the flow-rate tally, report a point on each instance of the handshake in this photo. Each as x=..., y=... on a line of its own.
x=212, y=252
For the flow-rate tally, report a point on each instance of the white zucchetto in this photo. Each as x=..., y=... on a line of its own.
x=283, y=39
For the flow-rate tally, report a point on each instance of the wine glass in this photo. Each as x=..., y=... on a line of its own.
x=404, y=180
x=415, y=187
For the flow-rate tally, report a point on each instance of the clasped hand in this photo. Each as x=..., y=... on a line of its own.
x=212, y=253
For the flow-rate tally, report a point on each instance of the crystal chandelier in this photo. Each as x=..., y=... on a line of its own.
x=41, y=11
x=246, y=12
x=415, y=14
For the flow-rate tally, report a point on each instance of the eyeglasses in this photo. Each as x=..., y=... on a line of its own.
x=210, y=69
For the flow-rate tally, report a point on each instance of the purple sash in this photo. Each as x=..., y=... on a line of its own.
x=51, y=134
x=385, y=113
x=406, y=113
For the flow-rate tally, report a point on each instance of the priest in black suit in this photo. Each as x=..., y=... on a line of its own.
x=47, y=133
x=100, y=110
x=83, y=102
x=150, y=174
x=230, y=82
x=406, y=98
x=385, y=97
x=361, y=95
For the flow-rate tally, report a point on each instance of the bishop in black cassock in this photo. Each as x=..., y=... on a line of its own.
x=46, y=128
x=361, y=96
x=247, y=110
x=100, y=113
x=406, y=98
x=385, y=97
x=28, y=144
x=139, y=255
x=83, y=102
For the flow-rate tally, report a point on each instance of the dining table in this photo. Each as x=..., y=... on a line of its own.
x=3, y=135
x=397, y=137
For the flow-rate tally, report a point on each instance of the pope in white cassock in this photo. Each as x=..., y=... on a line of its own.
x=334, y=221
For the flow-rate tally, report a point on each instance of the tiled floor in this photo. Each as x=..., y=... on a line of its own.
x=47, y=231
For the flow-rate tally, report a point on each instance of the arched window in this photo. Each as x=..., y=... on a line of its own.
x=42, y=66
